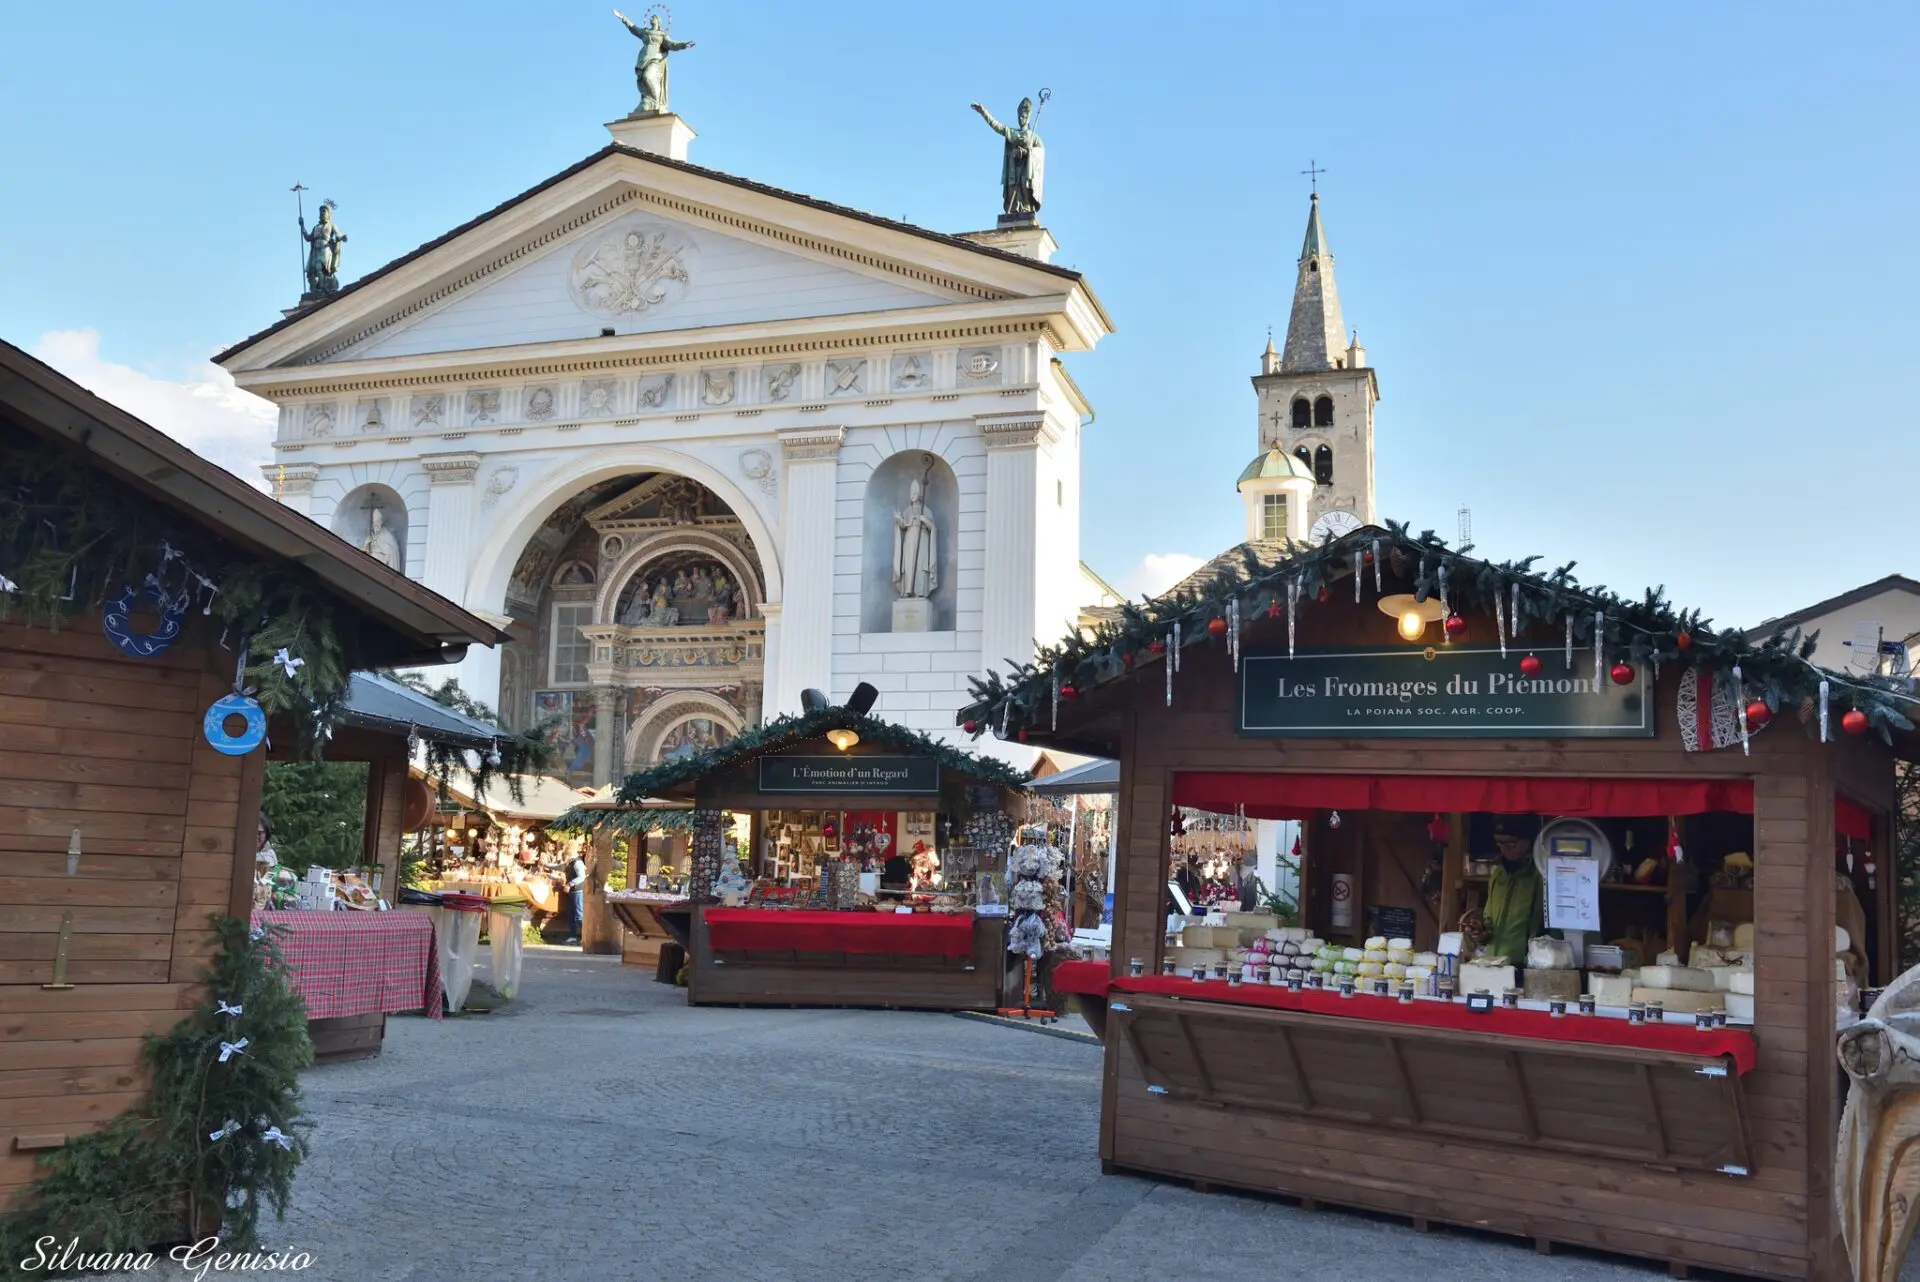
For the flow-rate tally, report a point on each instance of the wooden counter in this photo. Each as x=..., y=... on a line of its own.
x=896, y=980
x=647, y=923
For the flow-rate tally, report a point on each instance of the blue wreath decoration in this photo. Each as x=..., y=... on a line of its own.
x=114, y=621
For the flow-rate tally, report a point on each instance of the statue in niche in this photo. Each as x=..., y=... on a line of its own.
x=323, y=239
x=380, y=543
x=916, y=556
x=1023, y=161
x=650, y=70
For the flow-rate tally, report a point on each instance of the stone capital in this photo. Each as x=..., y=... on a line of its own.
x=450, y=469
x=810, y=444
x=1013, y=431
x=290, y=478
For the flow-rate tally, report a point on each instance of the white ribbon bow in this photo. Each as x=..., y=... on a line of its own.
x=224, y=1131
x=257, y=934
x=287, y=662
x=229, y=1049
x=8, y=585
x=225, y=1009
x=274, y=1135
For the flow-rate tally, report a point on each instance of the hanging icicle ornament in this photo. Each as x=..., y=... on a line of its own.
x=1500, y=623
x=1740, y=707
x=1445, y=609
x=1376, y=565
x=1169, y=667
x=1293, y=602
x=1054, y=719
x=1569, y=643
x=1356, y=578
x=1233, y=631
x=1513, y=612
x=1175, y=650
x=1599, y=639
x=1006, y=710
x=1823, y=711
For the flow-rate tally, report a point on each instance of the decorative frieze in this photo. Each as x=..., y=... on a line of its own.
x=450, y=469
x=807, y=444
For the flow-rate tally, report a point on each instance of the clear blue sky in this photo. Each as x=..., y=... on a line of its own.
x=1639, y=280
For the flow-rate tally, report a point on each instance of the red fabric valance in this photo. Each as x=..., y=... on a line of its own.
x=1291, y=796
x=801, y=930
x=1851, y=819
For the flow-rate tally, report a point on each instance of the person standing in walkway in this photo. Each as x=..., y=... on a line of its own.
x=576, y=890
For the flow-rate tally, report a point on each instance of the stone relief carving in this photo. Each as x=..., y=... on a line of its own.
x=373, y=418
x=716, y=386
x=319, y=419
x=846, y=378
x=483, y=405
x=597, y=398
x=542, y=403
x=653, y=395
x=631, y=270
x=681, y=591
x=757, y=465
x=779, y=380
x=979, y=365
x=912, y=372
x=681, y=502
x=610, y=549
x=429, y=411
x=502, y=480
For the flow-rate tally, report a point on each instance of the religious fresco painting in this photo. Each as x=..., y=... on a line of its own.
x=689, y=738
x=682, y=590
x=573, y=736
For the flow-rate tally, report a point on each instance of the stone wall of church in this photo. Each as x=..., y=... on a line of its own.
x=1349, y=437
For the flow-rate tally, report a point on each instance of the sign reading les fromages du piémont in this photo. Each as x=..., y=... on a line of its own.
x=906, y=776
x=1448, y=691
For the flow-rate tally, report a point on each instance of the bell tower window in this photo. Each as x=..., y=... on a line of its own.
x=1323, y=412
x=1273, y=516
x=1302, y=413
x=1323, y=466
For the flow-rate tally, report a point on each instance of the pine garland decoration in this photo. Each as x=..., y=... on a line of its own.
x=157, y=1174
x=518, y=753
x=1648, y=629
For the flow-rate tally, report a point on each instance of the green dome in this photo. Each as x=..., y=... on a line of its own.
x=1276, y=463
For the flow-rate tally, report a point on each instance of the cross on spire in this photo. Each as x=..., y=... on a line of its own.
x=1312, y=173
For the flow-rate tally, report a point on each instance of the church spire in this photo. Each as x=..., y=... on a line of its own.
x=1316, y=334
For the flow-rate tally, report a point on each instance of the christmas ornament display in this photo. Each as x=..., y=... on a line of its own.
x=1530, y=666
x=251, y=735
x=1758, y=714
x=1069, y=691
x=1855, y=722
x=1217, y=627
x=1456, y=626
x=1323, y=596
x=1622, y=674
x=132, y=642
x=1683, y=642
x=971, y=727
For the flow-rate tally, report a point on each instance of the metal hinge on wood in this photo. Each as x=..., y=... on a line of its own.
x=1713, y=1070
x=1731, y=1169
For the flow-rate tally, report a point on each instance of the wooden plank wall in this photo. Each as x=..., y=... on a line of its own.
x=93, y=740
x=1775, y=1223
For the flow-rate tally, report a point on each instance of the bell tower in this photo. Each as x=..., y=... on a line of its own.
x=1317, y=393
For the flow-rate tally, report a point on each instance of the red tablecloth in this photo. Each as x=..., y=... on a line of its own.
x=1093, y=978
x=354, y=963
x=775, y=930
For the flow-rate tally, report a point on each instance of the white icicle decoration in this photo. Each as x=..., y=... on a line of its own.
x=1823, y=710
x=1233, y=631
x=1176, y=645
x=1599, y=639
x=1055, y=725
x=1356, y=578
x=1376, y=565
x=1513, y=612
x=1500, y=622
x=1445, y=610
x=1740, y=710
x=1569, y=643
x=1169, y=667
x=1293, y=600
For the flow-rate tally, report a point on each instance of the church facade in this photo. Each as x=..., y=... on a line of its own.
x=700, y=443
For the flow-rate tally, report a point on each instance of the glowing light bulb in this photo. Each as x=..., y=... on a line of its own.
x=1412, y=625
x=842, y=739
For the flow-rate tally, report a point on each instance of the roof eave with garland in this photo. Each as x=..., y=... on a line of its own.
x=679, y=777
x=1648, y=629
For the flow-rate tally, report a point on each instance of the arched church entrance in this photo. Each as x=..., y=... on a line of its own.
x=636, y=626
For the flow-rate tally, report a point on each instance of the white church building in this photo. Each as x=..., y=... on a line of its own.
x=666, y=423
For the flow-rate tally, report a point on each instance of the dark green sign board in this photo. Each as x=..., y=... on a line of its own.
x=1461, y=691
x=850, y=776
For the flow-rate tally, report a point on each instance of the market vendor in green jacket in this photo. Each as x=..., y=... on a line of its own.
x=1516, y=908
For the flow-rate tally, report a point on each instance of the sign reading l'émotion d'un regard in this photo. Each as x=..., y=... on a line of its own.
x=1461, y=691
x=913, y=776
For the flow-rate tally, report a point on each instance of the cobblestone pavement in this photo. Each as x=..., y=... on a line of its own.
x=597, y=1129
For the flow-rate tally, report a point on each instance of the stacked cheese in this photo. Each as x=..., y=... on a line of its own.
x=1715, y=977
x=1282, y=948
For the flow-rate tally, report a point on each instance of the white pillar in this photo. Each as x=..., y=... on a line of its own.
x=449, y=523
x=770, y=705
x=292, y=484
x=1009, y=597
x=806, y=532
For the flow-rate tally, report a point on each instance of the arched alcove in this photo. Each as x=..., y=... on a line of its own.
x=353, y=521
x=1302, y=412
x=888, y=498
x=680, y=723
x=1323, y=412
x=1323, y=466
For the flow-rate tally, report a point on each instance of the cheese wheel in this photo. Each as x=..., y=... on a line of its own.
x=1353, y=954
x=1320, y=965
x=1610, y=990
x=1685, y=978
x=1396, y=970
x=1743, y=937
x=1376, y=941
x=1741, y=982
x=1739, y=1007
x=1429, y=960
x=1197, y=936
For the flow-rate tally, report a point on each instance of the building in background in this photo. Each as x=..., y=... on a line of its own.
x=1885, y=612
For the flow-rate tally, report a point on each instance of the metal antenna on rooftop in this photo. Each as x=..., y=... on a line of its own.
x=1466, y=525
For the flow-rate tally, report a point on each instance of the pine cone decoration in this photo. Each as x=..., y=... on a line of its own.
x=1808, y=708
x=1398, y=560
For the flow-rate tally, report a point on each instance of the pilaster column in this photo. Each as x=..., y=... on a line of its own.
x=449, y=522
x=806, y=629
x=1009, y=593
x=770, y=659
x=606, y=747
x=292, y=484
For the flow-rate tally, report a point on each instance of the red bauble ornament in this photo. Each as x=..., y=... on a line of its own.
x=1366, y=558
x=1855, y=722
x=1531, y=665
x=1323, y=595
x=1622, y=674
x=1456, y=626
x=1218, y=627
x=1023, y=734
x=971, y=727
x=1069, y=691
x=1758, y=714
x=1683, y=642
x=1154, y=647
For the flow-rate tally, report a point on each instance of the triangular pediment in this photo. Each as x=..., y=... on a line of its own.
x=640, y=245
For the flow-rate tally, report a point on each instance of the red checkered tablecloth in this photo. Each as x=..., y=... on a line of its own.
x=353, y=963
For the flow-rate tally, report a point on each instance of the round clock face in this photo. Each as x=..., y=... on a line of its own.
x=1333, y=525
